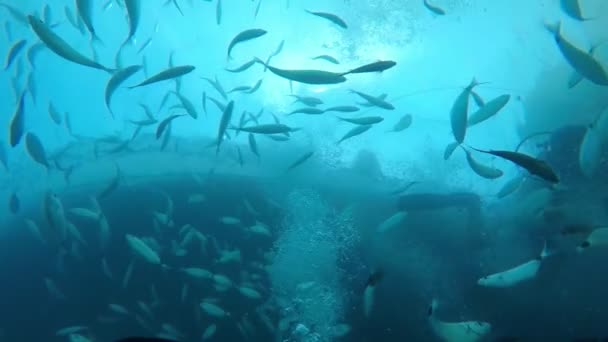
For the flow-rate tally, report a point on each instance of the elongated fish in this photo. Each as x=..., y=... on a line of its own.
x=218, y=12
x=16, y=126
x=33, y=51
x=392, y=221
x=479, y=101
x=327, y=58
x=358, y=130
x=85, y=11
x=133, y=8
x=488, y=110
x=583, y=62
x=331, y=17
x=3, y=155
x=112, y=186
x=459, y=113
x=60, y=46
x=510, y=187
x=481, y=169
x=168, y=74
x=307, y=76
x=275, y=53
x=515, y=275
x=36, y=150
x=242, y=67
x=370, y=291
x=188, y=106
x=378, y=66
x=163, y=124
x=257, y=9
x=253, y=146
x=267, y=129
x=365, y=120
x=243, y=37
x=255, y=87
x=224, y=122
x=464, y=331
x=306, y=110
x=342, y=109
x=217, y=86
x=435, y=9
x=533, y=165
x=597, y=238
x=116, y=80
x=307, y=100
x=301, y=160
x=13, y=52
x=404, y=123
x=142, y=250
x=375, y=101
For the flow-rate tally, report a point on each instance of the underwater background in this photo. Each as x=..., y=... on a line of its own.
x=299, y=170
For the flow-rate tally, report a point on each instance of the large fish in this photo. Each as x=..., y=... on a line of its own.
x=242, y=67
x=433, y=8
x=168, y=74
x=464, y=331
x=481, y=169
x=375, y=101
x=370, y=290
x=267, y=129
x=133, y=8
x=365, y=120
x=33, y=51
x=163, y=124
x=582, y=61
x=488, y=110
x=243, y=37
x=188, y=106
x=459, y=112
x=331, y=17
x=327, y=58
x=358, y=130
x=301, y=160
x=378, y=66
x=85, y=11
x=404, y=123
x=116, y=80
x=253, y=145
x=533, y=165
x=224, y=122
x=306, y=76
x=515, y=275
x=60, y=46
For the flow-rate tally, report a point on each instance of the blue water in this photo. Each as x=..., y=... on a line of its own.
x=312, y=266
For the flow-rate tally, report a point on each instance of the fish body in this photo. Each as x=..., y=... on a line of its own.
x=488, y=110
x=307, y=76
x=168, y=74
x=141, y=249
x=17, y=123
x=481, y=169
x=267, y=129
x=36, y=150
x=242, y=67
x=308, y=100
x=369, y=292
x=375, y=101
x=342, y=109
x=162, y=126
x=14, y=52
x=243, y=37
x=309, y=111
x=116, y=80
x=326, y=58
x=224, y=122
x=85, y=11
x=378, y=66
x=404, y=123
x=515, y=275
x=366, y=120
x=464, y=331
x=301, y=160
x=253, y=146
x=533, y=165
x=358, y=130
x=60, y=46
x=459, y=113
x=435, y=9
x=331, y=17
x=133, y=8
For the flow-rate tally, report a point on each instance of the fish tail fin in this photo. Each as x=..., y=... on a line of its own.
x=554, y=28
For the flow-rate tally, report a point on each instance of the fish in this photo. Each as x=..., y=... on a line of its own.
x=255, y=87
x=16, y=126
x=301, y=160
x=435, y=9
x=366, y=120
x=3, y=155
x=459, y=112
x=378, y=66
x=33, y=51
x=243, y=37
x=213, y=310
x=210, y=330
x=144, y=45
x=169, y=74
x=267, y=129
x=133, y=8
x=510, y=187
x=375, y=101
x=31, y=86
x=242, y=67
x=306, y=76
x=36, y=150
x=112, y=186
x=257, y=9
x=305, y=110
x=583, y=62
x=188, y=106
x=391, y=222
x=116, y=80
x=479, y=101
x=488, y=110
x=465, y=331
x=55, y=216
x=597, y=238
x=343, y=109
x=331, y=17
x=573, y=9
x=308, y=100
x=326, y=58
x=75, y=22
x=369, y=292
x=274, y=54
x=358, y=130
x=249, y=292
x=239, y=88
x=404, y=123
x=163, y=124
x=16, y=14
x=60, y=47
x=224, y=122
x=13, y=52
x=217, y=85
x=218, y=12
x=533, y=165
x=515, y=275
x=13, y=203
x=482, y=170
x=85, y=11
x=142, y=250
